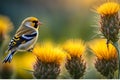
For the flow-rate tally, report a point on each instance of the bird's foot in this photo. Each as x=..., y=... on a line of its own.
x=30, y=50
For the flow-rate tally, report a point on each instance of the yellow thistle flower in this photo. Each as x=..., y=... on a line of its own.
x=5, y=24
x=74, y=47
x=28, y=59
x=102, y=51
x=25, y=65
x=49, y=54
x=108, y=8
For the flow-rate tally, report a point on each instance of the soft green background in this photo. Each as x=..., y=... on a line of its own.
x=62, y=19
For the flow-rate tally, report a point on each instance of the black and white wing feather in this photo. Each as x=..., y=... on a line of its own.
x=17, y=40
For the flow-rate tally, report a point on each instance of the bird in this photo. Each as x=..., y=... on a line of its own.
x=24, y=39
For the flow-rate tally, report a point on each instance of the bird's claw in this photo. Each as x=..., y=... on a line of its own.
x=30, y=50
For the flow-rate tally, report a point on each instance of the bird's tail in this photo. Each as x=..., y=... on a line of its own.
x=8, y=58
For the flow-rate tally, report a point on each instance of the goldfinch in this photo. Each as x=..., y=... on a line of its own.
x=25, y=37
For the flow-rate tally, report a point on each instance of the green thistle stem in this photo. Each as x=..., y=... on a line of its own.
x=116, y=45
x=110, y=76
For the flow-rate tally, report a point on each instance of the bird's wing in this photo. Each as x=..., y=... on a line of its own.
x=24, y=30
x=17, y=40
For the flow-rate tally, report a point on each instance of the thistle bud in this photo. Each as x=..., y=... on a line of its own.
x=106, y=58
x=48, y=62
x=109, y=20
x=75, y=65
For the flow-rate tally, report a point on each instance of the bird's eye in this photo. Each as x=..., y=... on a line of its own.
x=35, y=24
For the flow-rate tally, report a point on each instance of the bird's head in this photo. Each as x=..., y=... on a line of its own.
x=32, y=22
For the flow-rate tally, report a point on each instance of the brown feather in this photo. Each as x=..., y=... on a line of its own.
x=24, y=30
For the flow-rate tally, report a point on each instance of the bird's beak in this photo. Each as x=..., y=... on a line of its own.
x=39, y=23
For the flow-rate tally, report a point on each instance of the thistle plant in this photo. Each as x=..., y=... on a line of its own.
x=48, y=62
x=5, y=27
x=75, y=65
x=110, y=23
x=5, y=24
x=106, y=57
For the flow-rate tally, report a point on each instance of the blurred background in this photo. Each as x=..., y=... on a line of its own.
x=62, y=20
